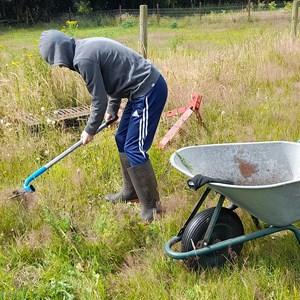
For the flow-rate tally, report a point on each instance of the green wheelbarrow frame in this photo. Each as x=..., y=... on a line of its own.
x=206, y=248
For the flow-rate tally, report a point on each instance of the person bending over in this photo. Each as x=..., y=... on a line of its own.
x=112, y=72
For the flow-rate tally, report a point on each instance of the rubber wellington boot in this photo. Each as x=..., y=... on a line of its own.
x=145, y=184
x=127, y=194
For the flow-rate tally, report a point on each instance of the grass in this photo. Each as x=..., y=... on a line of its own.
x=65, y=242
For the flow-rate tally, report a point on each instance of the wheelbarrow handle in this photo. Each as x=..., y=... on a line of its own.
x=30, y=188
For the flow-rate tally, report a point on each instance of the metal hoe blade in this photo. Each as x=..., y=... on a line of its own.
x=17, y=193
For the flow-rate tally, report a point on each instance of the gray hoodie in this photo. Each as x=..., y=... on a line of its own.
x=110, y=70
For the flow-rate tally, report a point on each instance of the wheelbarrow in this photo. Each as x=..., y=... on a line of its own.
x=262, y=178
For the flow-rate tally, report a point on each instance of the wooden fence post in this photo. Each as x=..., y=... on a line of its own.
x=70, y=14
x=294, y=19
x=120, y=13
x=26, y=15
x=157, y=13
x=143, y=30
x=200, y=10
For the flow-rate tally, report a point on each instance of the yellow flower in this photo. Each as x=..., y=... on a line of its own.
x=1, y=47
x=15, y=63
x=106, y=234
x=71, y=23
x=29, y=55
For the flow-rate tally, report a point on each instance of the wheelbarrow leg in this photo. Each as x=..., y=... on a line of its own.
x=195, y=210
x=296, y=231
x=256, y=222
x=212, y=222
x=232, y=206
x=254, y=219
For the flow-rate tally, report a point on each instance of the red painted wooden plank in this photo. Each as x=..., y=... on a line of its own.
x=170, y=134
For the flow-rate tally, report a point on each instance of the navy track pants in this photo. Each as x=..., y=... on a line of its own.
x=139, y=123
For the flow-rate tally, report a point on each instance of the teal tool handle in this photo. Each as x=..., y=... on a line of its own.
x=30, y=188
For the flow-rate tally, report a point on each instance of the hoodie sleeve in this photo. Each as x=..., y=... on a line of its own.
x=91, y=73
x=113, y=105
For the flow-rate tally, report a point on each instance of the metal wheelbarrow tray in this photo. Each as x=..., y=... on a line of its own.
x=263, y=178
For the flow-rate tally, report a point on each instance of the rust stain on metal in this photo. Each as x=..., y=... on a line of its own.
x=246, y=169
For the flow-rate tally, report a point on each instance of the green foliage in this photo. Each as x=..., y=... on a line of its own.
x=84, y=7
x=261, y=5
x=288, y=6
x=128, y=22
x=173, y=25
x=272, y=5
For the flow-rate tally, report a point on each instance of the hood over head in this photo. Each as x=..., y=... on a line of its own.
x=57, y=48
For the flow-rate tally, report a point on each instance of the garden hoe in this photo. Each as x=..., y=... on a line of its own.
x=29, y=188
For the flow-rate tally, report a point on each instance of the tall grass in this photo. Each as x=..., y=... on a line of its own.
x=65, y=242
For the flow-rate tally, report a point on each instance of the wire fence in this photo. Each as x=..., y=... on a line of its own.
x=176, y=12
x=158, y=12
x=182, y=12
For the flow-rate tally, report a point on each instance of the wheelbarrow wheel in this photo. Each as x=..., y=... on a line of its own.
x=228, y=225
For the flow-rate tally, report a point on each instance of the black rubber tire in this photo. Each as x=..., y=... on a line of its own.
x=228, y=226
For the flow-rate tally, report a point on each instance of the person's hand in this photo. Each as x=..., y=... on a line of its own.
x=108, y=117
x=85, y=137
